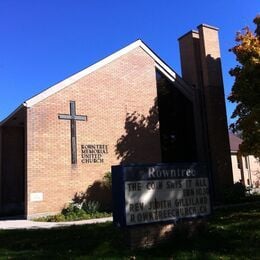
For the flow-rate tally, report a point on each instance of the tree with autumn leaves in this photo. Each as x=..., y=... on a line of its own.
x=246, y=89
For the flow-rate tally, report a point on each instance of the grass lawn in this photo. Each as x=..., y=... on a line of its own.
x=230, y=234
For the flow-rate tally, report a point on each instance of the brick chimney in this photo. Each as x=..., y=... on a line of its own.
x=201, y=68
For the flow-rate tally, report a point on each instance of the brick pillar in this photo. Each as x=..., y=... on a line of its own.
x=192, y=74
x=201, y=67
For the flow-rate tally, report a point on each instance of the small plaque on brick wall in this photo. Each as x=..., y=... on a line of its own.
x=36, y=196
x=93, y=153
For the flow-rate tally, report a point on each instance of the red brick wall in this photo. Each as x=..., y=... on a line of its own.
x=125, y=85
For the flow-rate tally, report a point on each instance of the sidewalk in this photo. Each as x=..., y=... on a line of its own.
x=29, y=224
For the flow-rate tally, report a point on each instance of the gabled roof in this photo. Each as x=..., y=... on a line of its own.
x=162, y=66
x=159, y=63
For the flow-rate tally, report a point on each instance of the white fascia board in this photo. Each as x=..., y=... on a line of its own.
x=158, y=60
x=169, y=73
x=61, y=85
x=185, y=89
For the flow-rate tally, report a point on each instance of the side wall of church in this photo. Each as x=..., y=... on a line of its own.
x=12, y=169
x=1, y=169
x=119, y=100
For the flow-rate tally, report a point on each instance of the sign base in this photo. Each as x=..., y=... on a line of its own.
x=147, y=236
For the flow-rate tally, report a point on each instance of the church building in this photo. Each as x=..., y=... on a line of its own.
x=130, y=107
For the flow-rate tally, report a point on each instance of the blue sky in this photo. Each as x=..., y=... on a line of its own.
x=45, y=41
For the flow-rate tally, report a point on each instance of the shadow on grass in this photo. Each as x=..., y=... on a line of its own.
x=233, y=234
x=88, y=240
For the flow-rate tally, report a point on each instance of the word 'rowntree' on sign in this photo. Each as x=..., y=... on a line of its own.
x=93, y=153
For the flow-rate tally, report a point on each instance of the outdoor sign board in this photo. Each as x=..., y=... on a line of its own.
x=145, y=194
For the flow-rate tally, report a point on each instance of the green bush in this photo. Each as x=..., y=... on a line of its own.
x=77, y=211
x=107, y=180
x=235, y=193
x=91, y=207
x=80, y=210
x=55, y=218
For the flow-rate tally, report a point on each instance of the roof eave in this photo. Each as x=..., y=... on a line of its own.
x=23, y=105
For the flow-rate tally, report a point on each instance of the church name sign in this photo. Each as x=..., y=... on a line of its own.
x=93, y=153
x=159, y=193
